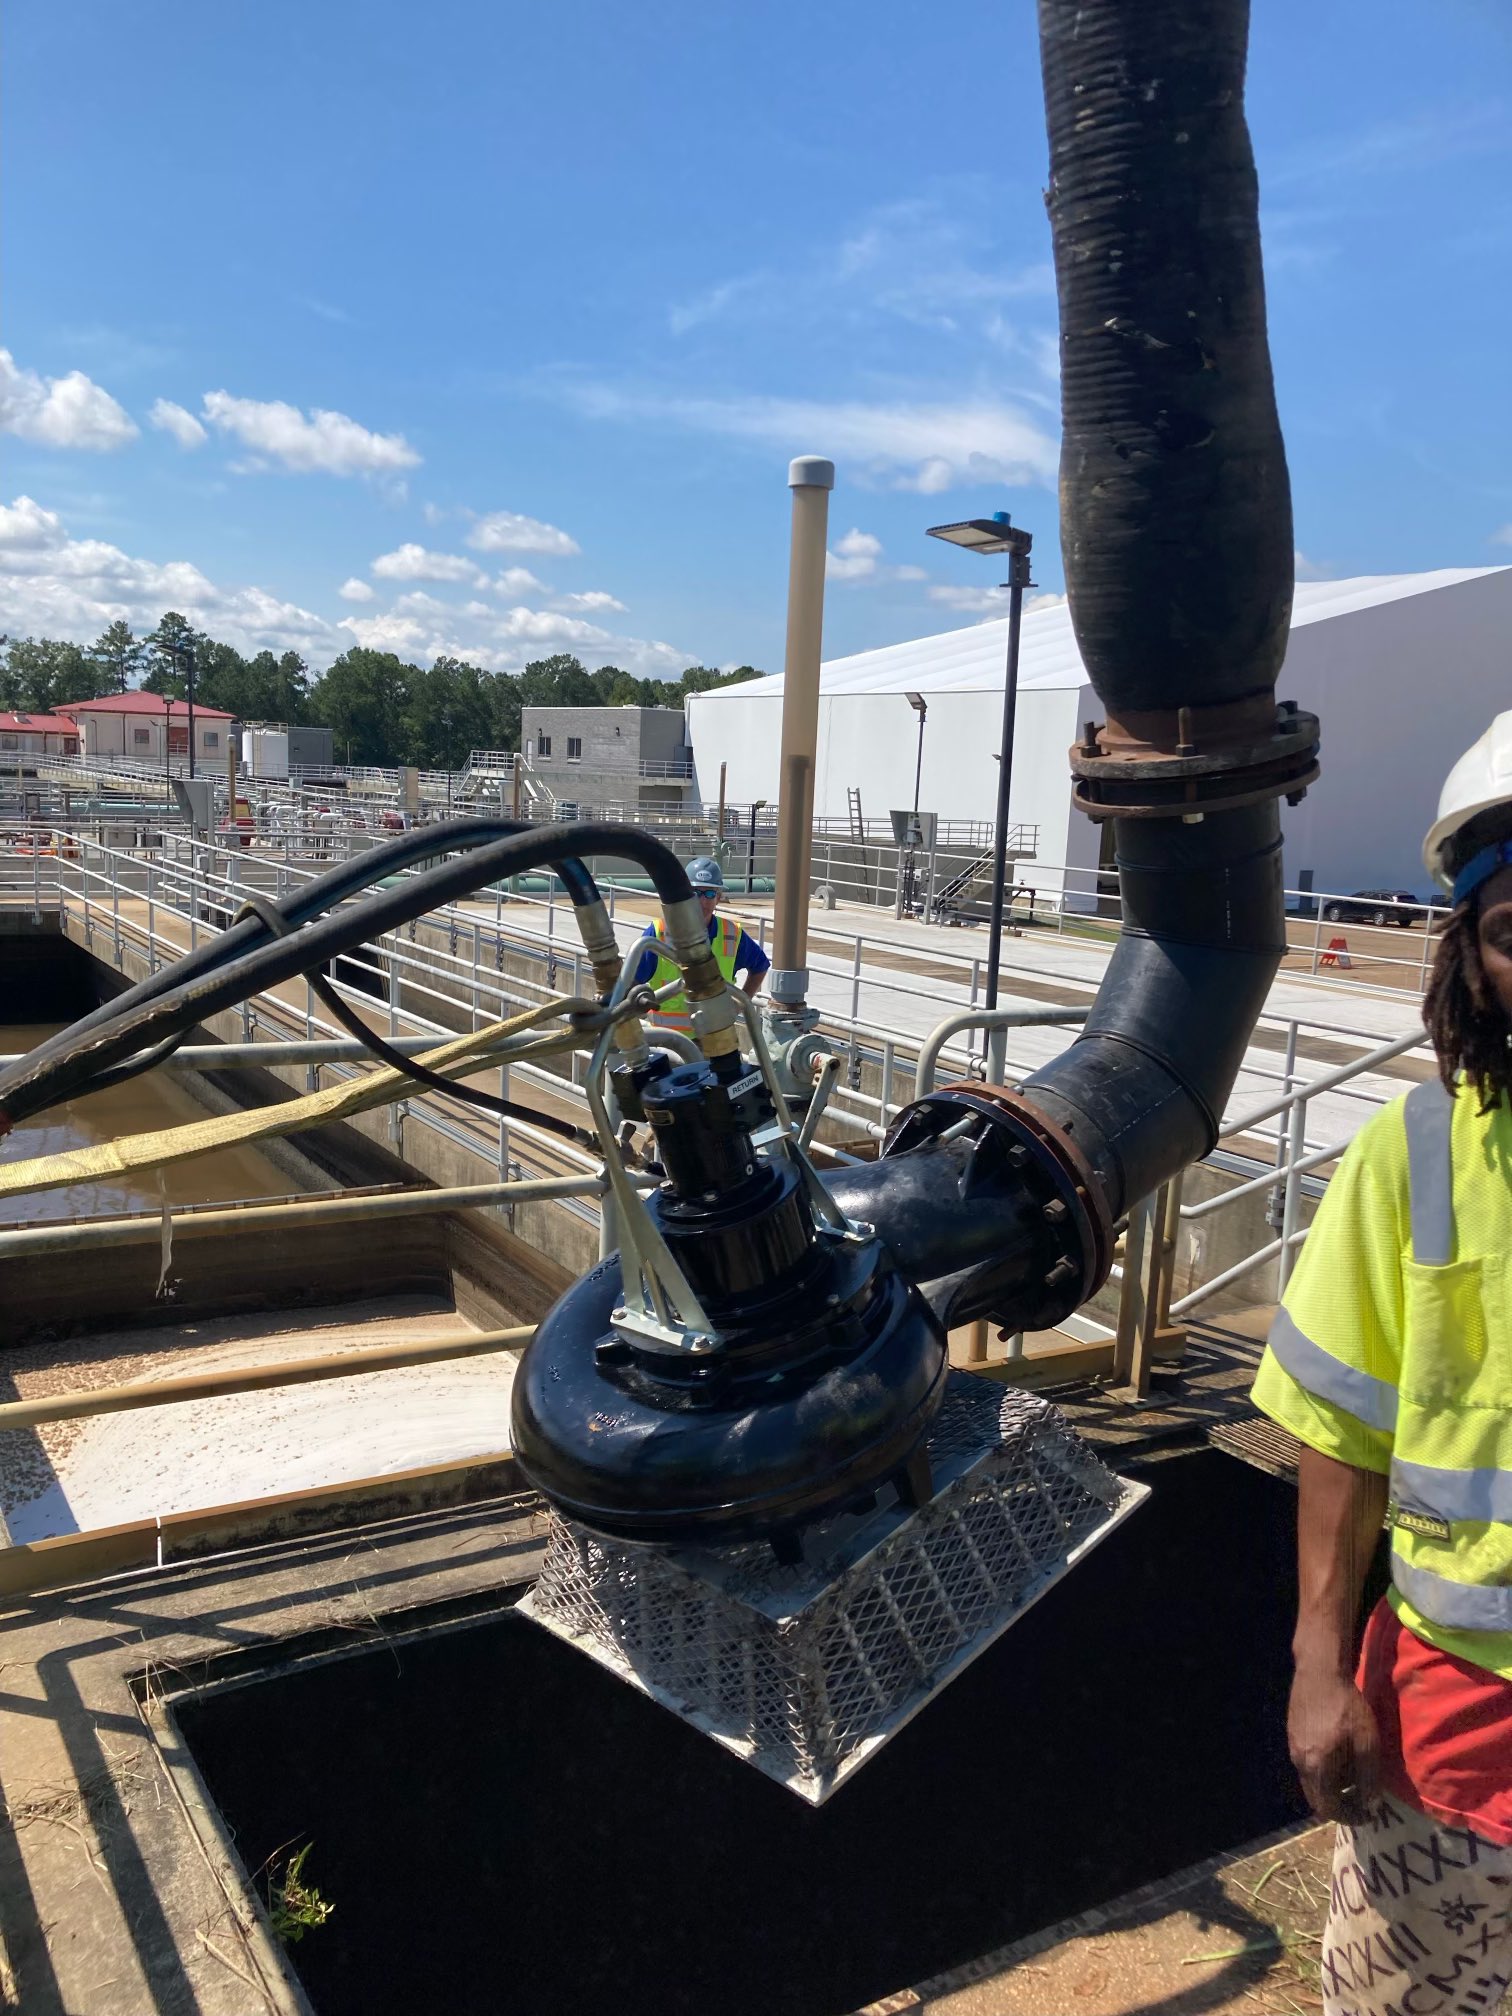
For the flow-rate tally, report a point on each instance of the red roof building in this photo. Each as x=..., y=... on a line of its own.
x=38, y=724
x=132, y=725
x=23, y=734
x=137, y=702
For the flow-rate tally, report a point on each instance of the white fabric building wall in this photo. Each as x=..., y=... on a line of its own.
x=1405, y=671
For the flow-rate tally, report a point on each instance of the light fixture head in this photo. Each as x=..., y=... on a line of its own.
x=985, y=535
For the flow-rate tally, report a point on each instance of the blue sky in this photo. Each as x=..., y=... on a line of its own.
x=570, y=285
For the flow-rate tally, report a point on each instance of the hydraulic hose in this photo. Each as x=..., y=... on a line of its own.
x=397, y=1060
x=311, y=899
x=70, y=1061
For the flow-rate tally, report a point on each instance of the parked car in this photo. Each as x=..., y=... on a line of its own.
x=1376, y=906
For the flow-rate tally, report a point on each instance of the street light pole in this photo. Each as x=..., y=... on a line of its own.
x=189, y=699
x=921, y=707
x=1018, y=581
x=998, y=535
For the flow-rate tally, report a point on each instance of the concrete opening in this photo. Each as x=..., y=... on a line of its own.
x=502, y=1827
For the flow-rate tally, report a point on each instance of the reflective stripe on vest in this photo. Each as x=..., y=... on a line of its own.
x=1368, y=1399
x=674, y=1013
x=1426, y=1491
x=1428, y=1114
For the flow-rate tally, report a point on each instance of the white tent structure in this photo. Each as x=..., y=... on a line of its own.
x=1404, y=669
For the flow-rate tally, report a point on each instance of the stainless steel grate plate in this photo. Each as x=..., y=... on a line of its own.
x=805, y=1671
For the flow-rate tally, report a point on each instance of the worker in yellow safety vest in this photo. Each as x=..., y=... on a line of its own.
x=1391, y=1361
x=735, y=950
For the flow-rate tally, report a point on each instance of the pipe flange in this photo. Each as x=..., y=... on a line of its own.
x=1183, y=762
x=1082, y=1225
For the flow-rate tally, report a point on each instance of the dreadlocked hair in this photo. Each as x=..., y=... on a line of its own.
x=1465, y=1021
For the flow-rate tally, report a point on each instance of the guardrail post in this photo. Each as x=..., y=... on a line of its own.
x=1317, y=930
x=997, y=1056
x=1297, y=1136
x=1288, y=1084
x=1169, y=1225
x=855, y=1014
x=1132, y=1299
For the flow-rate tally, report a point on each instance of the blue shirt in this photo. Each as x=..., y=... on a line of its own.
x=749, y=957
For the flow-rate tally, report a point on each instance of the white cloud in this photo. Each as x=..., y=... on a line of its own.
x=904, y=445
x=1503, y=537
x=25, y=527
x=1311, y=570
x=52, y=585
x=175, y=420
x=417, y=563
x=711, y=304
x=593, y=598
x=858, y=557
x=550, y=626
x=67, y=412
x=519, y=581
x=969, y=600
x=987, y=603
x=322, y=442
x=940, y=262
x=423, y=626
x=853, y=558
x=512, y=532
x=357, y=590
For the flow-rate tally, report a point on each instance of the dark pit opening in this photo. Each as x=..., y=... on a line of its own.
x=44, y=977
x=504, y=1828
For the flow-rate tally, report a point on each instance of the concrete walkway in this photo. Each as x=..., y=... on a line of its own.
x=913, y=975
x=76, y=1476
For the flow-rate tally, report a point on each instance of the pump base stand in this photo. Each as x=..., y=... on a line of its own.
x=797, y=1049
x=806, y=1668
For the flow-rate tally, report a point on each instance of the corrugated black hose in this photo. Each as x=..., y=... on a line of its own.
x=350, y=1020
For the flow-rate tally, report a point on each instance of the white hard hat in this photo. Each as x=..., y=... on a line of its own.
x=1479, y=782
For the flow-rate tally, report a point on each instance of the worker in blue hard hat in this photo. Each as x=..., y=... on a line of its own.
x=735, y=950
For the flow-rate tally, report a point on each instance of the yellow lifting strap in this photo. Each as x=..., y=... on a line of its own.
x=134, y=1153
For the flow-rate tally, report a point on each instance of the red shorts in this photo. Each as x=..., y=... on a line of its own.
x=1446, y=1728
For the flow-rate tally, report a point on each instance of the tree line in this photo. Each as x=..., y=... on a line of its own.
x=380, y=708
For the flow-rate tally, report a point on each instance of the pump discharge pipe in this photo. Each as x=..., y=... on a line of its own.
x=790, y=1022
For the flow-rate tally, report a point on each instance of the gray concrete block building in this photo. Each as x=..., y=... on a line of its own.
x=597, y=757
